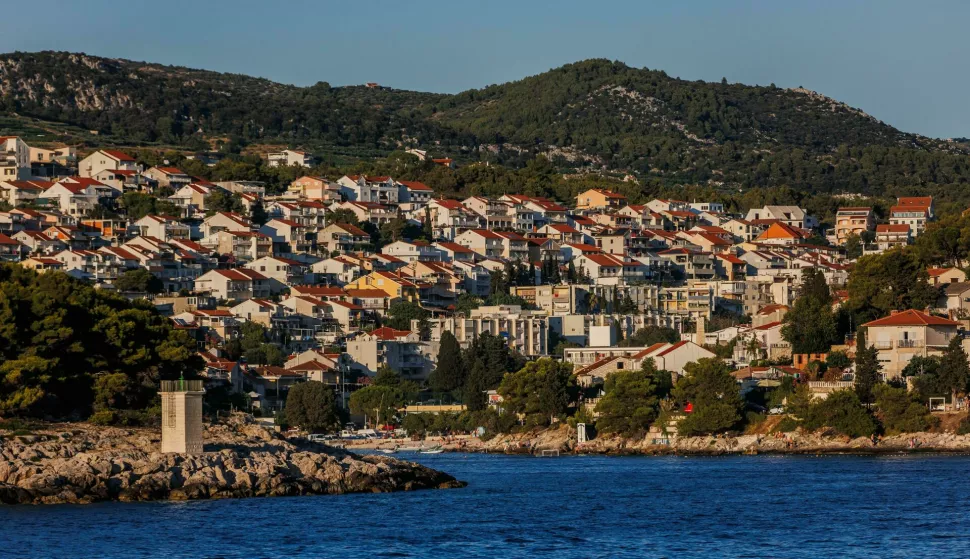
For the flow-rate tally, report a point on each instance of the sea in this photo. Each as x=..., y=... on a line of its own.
x=556, y=507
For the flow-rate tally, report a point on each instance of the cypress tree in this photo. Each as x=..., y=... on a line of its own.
x=866, y=368
x=448, y=374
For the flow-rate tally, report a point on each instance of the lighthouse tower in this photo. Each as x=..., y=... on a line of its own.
x=182, y=416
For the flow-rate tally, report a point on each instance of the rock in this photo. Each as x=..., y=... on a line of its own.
x=91, y=464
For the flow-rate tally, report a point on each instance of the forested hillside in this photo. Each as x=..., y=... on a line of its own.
x=589, y=116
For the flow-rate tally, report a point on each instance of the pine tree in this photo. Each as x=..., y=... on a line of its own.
x=571, y=272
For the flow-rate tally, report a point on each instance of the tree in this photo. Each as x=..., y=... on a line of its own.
x=809, y=326
x=257, y=213
x=540, y=390
x=837, y=360
x=629, y=404
x=313, y=406
x=853, y=246
x=449, y=373
x=882, y=283
x=867, y=369
x=378, y=403
x=342, y=216
x=139, y=280
x=67, y=348
x=221, y=201
x=401, y=313
x=713, y=392
x=466, y=303
x=137, y=205
x=954, y=371
x=649, y=335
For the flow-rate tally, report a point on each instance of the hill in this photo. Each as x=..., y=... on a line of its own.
x=589, y=115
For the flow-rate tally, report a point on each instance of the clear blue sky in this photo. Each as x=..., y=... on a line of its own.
x=903, y=62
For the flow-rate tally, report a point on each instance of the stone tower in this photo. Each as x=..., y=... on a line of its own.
x=182, y=416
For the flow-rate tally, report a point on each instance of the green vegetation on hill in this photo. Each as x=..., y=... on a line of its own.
x=782, y=144
x=67, y=349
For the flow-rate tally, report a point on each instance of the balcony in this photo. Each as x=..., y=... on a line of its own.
x=883, y=344
x=909, y=343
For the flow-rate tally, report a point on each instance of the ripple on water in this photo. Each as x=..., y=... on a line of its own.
x=849, y=506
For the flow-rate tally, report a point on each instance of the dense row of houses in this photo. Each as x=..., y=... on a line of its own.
x=591, y=273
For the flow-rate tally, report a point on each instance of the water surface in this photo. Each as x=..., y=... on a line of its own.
x=751, y=506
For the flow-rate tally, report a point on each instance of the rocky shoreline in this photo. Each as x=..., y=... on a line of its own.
x=563, y=439
x=77, y=463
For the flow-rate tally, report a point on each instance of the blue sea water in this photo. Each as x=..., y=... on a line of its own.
x=752, y=506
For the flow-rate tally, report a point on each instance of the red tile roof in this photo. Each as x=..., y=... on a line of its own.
x=911, y=318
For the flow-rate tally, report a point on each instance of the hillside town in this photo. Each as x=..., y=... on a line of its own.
x=347, y=276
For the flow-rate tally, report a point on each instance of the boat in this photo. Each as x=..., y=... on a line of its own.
x=387, y=450
x=410, y=448
x=432, y=451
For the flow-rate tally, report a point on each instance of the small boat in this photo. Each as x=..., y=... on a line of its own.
x=432, y=451
x=410, y=448
x=387, y=450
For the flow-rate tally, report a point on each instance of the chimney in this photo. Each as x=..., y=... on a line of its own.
x=893, y=312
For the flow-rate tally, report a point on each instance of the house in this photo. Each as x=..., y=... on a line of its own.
x=14, y=159
x=495, y=244
x=369, y=189
x=412, y=251
x=289, y=157
x=72, y=199
x=237, y=284
x=903, y=335
x=43, y=264
x=191, y=199
x=599, y=198
x=955, y=300
x=161, y=227
x=168, y=177
x=396, y=285
x=37, y=242
x=454, y=252
x=101, y=160
x=943, y=276
x=20, y=192
x=225, y=221
x=376, y=213
x=789, y=215
x=413, y=195
x=611, y=269
x=689, y=264
x=282, y=272
x=780, y=233
x=853, y=221
x=563, y=233
x=337, y=270
x=401, y=350
x=593, y=364
x=890, y=236
x=913, y=212
x=241, y=245
x=10, y=249
x=314, y=188
x=289, y=236
x=342, y=238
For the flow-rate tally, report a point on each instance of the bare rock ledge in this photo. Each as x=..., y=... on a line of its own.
x=87, y=464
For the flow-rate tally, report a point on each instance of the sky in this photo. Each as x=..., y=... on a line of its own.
x=904, y=62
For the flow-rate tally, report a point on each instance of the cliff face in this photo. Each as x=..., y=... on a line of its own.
x=88, y=464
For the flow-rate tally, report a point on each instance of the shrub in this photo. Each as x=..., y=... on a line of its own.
x=900, y=411
x=964, y=427
x=103, y=417
x=842, y=411
x=787, y=425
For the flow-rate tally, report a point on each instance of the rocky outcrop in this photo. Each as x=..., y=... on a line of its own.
x=85, y=464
